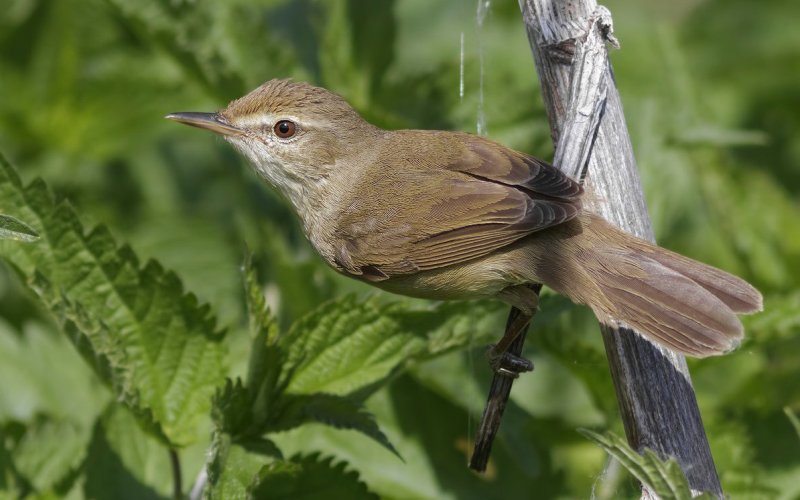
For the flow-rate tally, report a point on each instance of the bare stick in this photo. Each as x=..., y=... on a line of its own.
x=654, y=390
x=499, y=392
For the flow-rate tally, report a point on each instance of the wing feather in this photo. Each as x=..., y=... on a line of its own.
x=479, y=197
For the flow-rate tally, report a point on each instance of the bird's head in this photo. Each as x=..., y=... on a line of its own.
x=293, y=133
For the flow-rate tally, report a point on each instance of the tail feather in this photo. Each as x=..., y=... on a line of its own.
x=740, y=296
x=678, y=302
x=670, y=307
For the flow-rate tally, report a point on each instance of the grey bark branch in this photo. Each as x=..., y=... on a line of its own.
x=657, y=402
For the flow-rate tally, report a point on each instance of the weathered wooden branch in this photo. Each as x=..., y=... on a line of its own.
x=654, y=389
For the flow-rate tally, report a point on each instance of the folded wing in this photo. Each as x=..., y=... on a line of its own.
x=438, y=208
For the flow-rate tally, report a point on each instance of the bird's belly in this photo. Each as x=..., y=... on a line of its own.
x=477, y=279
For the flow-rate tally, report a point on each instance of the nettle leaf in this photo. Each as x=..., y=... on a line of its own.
x=152, y=342
x=236, y=472
x=308, y=477
x=266, y=357
x=345, y=347
x=336, y=411
x=664, y=478
x=262, y=403
x=247, y=409
x=232, y=467
x=13, y=229
x=322, y=369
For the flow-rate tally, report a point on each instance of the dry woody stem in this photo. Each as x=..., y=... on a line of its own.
x=654, y=390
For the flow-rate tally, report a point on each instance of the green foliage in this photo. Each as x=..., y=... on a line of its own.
x=156, y=346
x=13, y=229
x=108, y=365
x=664, y=478
x=317, y=478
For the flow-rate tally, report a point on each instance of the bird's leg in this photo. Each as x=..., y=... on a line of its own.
x=526, y=300
x=503, y=362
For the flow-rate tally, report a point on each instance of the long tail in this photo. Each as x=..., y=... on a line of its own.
x=677, y=302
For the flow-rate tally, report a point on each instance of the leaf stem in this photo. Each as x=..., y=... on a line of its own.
x=177, y=487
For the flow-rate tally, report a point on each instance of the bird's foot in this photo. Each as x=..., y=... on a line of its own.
x=507, y=364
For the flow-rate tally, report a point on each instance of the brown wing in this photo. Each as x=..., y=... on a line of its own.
x=434, y=208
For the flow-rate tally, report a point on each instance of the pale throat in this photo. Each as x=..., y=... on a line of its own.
x=303, y=192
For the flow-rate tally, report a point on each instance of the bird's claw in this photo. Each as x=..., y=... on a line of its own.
x=507, y=364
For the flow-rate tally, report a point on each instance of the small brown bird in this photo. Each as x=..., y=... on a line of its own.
x=450, y=215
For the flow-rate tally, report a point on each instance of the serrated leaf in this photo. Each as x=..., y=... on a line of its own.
x=266, y=357
x=336, y=411
x=262, y=403
x=150, y=340
x=308, y=477
x=346, y=346
x=664, y=477
x=13, y=229
x=262, y=322
x=231, y=468
x=246, y=409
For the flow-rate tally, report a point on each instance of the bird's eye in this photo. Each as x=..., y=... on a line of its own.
x=285, y=129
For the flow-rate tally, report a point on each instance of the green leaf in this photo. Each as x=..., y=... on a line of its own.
x=13, y=229
x=124, y=462
x=50, y=453
x=248, y=409
x=43, y=375
x=263, y=383
x=335, y=411
x=665, y=478
x=262, y=404
x=231, y=468
x=157, y=347
x=346, y=346
x=308, y=477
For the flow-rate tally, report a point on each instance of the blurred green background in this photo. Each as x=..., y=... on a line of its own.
x=711, y=91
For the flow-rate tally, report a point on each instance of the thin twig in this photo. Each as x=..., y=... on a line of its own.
x=497, y=399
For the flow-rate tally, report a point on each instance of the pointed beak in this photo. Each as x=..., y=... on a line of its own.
x=209, y=121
